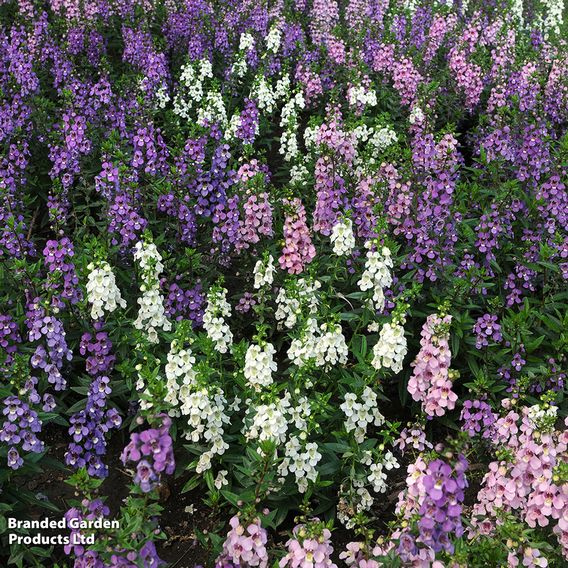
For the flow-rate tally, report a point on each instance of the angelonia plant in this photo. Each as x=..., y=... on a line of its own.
x=303, y=263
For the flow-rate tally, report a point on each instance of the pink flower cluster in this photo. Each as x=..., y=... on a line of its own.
x=532, y=557
x=245, y=546
x=467, y=75
x=298, y=247
x=343, y=143
x=257, y=220
x=413, y=436
x=441, y=25
x=406, y=80
x=527, y=483
x=324, y=16
x=383, y=58
x=311, y=546
x=430, y=382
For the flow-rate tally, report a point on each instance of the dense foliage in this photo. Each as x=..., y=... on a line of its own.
x=309, y=256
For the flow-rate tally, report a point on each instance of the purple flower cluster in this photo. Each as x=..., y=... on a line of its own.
x=180, y=210
x=478, y=418
x=114, y=556
x=486, y=329
x=246, y=302
x=435, y=493
x=227, y=230
x=152, y=452
x=187, y=304
x=414, y=437
x=9, y=338
x=62, y=281
x=89, y=426
x=14, y=241
x=98, y=352
x=90, y=511
x=74, y=144
x=51, y=356
x=440, y=513
x=330, y=189
x=209, y=186
x=125, y=220
x=248, y=122
x=20, y=426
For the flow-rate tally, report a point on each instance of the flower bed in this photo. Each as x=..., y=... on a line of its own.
x=284, y=283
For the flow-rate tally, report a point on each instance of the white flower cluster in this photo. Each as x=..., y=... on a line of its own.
x=151, y=314
x=542, y=417
x=288, y=309
x=375, y=140
x=179, y=367
x=289, y=122
x=145, y=401
x=325, y=345
x=269, y=421
x=342, y=238
x=290, y=303
x=259, y=365
x=377, y=274
x=390, y=350
x=361, y=414
x=212, y=109
x=301, y=460
x=282, y=88
x=302, y=348
x=206, y=418
x=264, y=95
x=517, y=11
x=267, y=96
x=411, y=5
x=204, y=408
x=310, y=136
x=102, y=292
x=300, y=413
x=331, y=348
x=192, y=78
x=554, y=17
x=358, y=502
x=214, y=319
x=273, y=39
x=233, y=126
x=246, y=43
x=299, y=174
x=264, y=273
x=360, y=96
x=221, y=479
x=382, y=138
x=377, y=478
x=162, y=96
x=416, y=115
